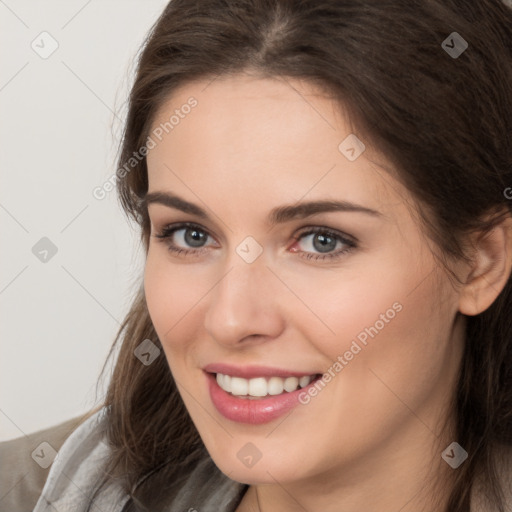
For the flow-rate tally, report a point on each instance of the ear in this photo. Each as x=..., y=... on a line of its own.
x=490, y=269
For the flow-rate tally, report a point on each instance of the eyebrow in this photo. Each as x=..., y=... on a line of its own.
x=277, y=215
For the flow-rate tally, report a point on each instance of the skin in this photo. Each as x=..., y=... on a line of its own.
x=371, y=439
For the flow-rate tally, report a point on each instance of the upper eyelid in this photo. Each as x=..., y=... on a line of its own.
x=178, y=226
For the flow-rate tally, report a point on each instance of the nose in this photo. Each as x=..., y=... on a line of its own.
x=244, y=306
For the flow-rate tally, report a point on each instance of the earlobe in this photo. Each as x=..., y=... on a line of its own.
x=490, y=271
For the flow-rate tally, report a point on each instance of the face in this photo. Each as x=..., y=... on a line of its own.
x=249, y=304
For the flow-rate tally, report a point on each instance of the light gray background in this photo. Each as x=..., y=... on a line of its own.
x=60, y=124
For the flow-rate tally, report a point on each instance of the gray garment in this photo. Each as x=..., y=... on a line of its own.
x=23, y=471
x=75, y=470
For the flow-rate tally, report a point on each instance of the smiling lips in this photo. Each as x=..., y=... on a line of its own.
x=255, y=395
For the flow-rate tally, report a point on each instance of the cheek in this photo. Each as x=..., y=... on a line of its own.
x=384, y=323
x=174, y=300
x=349, y=304
x=397, y=350
x=402, y=370
x=167, y=296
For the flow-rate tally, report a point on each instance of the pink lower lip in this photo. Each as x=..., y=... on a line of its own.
x=245, y=410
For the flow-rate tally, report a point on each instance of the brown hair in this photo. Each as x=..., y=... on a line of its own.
x=444, y=122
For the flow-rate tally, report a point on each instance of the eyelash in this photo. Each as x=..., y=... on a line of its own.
x=166, y=234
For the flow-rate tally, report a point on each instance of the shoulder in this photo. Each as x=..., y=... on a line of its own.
x=26, y=462
x=78, y=465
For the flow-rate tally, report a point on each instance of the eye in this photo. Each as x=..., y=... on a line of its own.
x=187, y=238
x=191, y=235
x=323, y=240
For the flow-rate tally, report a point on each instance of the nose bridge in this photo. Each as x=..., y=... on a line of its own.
x=243, y=303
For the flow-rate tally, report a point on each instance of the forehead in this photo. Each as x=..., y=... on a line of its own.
x=276, y=138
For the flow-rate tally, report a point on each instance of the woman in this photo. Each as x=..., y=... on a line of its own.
x=324, y=196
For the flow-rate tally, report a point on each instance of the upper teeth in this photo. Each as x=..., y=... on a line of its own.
x=260, y=386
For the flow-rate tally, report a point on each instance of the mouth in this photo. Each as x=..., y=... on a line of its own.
x=256, y=395
x=261, y=387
